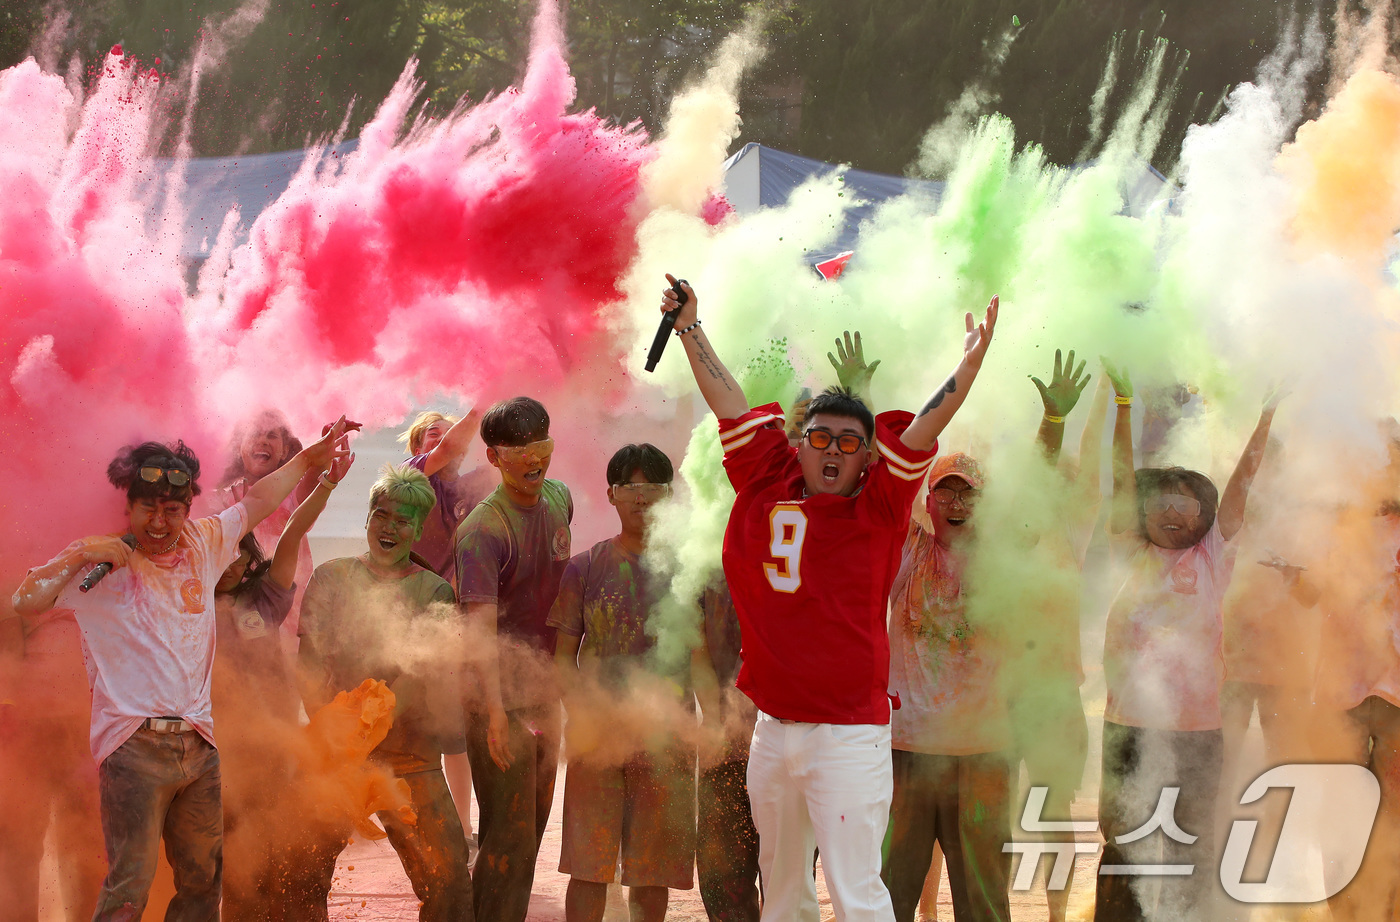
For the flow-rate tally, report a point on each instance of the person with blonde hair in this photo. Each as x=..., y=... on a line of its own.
x=438, y=444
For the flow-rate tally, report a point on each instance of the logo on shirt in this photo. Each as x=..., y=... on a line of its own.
x=561, y=543
x=192, y=593
x=251, y=624
x=1184, y=578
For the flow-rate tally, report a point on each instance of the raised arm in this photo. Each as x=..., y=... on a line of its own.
x=1124, y=512
x=930, y=422
x=283, y=570
x=267, y=494
x=1059, y=397
x=721, y=392
x=1232, y=503
x=453, y=448
x=1091, y=443
x=851, y=371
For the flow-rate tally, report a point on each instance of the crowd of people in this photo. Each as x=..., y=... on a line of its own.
x=856, y=697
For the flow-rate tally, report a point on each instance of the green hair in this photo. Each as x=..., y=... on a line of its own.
x=406, y=485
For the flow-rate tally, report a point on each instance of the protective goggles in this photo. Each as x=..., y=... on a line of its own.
x=947, y=495
x=651, y=492
x=847, y=443
x=537, y=451
x=173, y=475
x=1185, y=505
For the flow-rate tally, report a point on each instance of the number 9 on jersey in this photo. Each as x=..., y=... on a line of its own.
x=788, y=529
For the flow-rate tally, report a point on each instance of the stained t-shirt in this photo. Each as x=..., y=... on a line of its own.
x=269, y=532
x=811, y=575
x=456, y=497
x=945, y=671
x=606, y=597
x=514, y=556
x=250, y=653
x=1162, y=657
x=366, y=627
x=148, y=631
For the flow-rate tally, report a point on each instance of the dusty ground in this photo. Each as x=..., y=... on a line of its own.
x=370, y=885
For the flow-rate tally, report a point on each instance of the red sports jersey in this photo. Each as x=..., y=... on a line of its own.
x=810, y=575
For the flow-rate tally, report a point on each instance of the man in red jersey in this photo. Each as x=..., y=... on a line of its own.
x=809, y=555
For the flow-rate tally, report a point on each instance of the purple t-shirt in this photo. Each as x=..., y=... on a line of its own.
x=455, y=498
x=606, y=597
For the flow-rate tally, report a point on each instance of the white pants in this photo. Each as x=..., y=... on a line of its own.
x=823, y=786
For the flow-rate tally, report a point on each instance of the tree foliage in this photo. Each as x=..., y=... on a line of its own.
x=859, y=81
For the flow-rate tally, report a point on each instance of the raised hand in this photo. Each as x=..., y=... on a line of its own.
x=849, y=361
x=979, y=335
x=1066, y=384
x=669, y=302
x=1122, y=385
x=340, y=466
x=331, y=446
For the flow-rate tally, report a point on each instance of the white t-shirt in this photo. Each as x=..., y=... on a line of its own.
x=149, y=628
x=1162, y=657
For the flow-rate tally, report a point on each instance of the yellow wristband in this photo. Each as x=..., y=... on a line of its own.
x=1054, y=419
x=1122, y=401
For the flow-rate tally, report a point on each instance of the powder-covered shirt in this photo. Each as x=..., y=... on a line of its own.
x=945, y=672
x=365, y=626
x=1162, y=657
x=250, y=653
x=606, y=597
x=148, y=631
x=514, y=556
x=269, y=532
x=456, y=496
x=810, y=575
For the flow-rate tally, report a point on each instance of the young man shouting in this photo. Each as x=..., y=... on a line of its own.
x=810, y=552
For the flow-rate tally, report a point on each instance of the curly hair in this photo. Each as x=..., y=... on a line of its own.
x=406, y=485
x=236, y=469
x=124, y=472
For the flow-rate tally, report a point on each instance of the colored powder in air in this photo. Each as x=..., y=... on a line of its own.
x=342, y=784
x=408, y=269
x=1345, y=170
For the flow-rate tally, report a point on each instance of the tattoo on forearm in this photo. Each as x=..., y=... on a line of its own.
x=711, y=364
x=949, y=387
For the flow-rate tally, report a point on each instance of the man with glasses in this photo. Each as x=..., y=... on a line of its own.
x=951, y=734
x=810, y=552
x=630, y=788
x=148, y=631
x=512, y=550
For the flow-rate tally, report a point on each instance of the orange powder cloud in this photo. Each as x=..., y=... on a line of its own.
x=1344, y=169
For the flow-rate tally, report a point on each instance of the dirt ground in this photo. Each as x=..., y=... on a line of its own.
x=370, y=885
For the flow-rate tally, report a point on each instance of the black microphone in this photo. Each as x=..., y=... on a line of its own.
x=102, y=569
x=668, y=323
